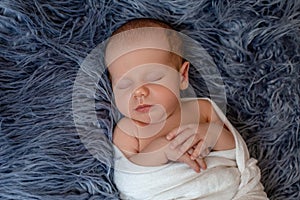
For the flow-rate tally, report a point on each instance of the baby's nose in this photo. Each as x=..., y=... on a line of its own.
x=141, y=91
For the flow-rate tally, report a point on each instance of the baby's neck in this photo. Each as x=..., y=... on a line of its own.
x=150, y=131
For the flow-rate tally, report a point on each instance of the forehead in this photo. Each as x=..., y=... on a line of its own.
x=136, y=39
x=139, y=61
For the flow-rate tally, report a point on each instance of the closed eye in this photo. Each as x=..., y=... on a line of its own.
x=123, y=84
x=154, y=76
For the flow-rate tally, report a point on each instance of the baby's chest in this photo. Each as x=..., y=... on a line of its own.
x=149, y=134
x=145, y=141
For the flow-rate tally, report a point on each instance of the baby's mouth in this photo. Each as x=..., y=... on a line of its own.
x=144, y=108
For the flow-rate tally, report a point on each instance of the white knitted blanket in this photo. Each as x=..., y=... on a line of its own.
x=231, y=174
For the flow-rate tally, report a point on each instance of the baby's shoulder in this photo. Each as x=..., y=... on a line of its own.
x=201, y=105
x=203, y=102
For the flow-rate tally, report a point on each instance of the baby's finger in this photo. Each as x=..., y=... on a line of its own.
x=187, y=144
x=176, y=131
x=197, y=150
x=179, y=140
x=202, y=163
x=192, y=163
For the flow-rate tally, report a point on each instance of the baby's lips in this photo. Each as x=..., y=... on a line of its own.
x=143, y=108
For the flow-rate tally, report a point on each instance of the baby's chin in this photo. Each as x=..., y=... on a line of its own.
x=149, y=127
x=147, y=120
x=156, y=115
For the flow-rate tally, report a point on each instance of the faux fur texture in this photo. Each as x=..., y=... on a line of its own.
x=255, y=44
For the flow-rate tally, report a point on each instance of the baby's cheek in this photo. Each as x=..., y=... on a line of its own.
x=171, y=81
x=170, y=87
x=122, y=103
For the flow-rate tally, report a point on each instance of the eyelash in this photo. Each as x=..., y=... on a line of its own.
x=124, y=85
x=155, y=78
x=128, y=84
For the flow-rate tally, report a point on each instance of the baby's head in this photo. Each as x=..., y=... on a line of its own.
x=146, y=69
x=145, y=33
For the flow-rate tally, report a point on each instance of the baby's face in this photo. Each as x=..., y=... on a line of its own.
x=146, y=85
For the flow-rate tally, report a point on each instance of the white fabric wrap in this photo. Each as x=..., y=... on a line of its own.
x=231, y=174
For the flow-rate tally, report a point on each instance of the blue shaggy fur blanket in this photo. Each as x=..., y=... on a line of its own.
x=255, y=45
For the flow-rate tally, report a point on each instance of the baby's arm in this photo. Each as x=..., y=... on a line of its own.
x=158, y=152
x=210, y=134
x=225, y=139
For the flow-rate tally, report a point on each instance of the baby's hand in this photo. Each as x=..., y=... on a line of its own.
x=200, y=160
x=195, y=164
x=195, y=136
x=192, y=138
x=178, y=156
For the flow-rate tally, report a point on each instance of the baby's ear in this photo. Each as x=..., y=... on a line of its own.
x=184, y=75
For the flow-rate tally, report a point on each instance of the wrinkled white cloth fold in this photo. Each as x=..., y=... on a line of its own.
x=231, y=174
